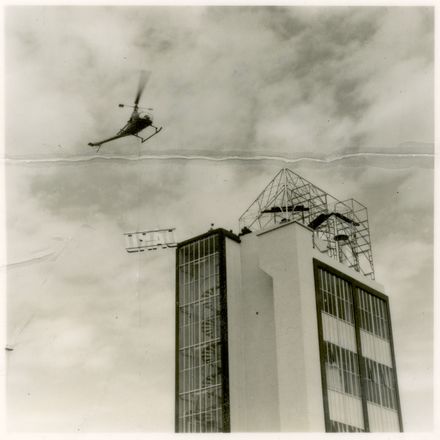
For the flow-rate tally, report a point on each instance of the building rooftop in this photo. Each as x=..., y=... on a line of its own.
x=340, y=228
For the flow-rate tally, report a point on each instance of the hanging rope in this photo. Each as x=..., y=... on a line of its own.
x=138, y=203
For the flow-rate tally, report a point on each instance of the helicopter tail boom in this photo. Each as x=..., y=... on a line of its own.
x=98, y=144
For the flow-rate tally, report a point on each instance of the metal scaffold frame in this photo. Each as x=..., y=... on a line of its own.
x=340, y=228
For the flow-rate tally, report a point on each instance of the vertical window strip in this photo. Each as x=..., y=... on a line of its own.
x=373, y=314
x=373, y=317
x=381, y=386
x=342, y=366
x=336, y=296
x=199, y=338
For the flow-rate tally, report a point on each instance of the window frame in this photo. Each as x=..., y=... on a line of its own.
x=355, y=284
x=220, y=285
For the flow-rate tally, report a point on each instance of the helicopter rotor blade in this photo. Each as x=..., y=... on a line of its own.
x=137, y=106
x=145, y=75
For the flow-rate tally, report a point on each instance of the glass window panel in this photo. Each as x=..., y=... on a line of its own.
x=199, y=322
x=202, y=248
x=324, y=301
x=324, y=279
x=196, y=250
x=339, y=308
x=350, y=312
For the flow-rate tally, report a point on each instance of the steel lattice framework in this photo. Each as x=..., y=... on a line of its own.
x=340, y=228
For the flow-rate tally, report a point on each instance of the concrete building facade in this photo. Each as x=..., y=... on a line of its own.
x=274, y=335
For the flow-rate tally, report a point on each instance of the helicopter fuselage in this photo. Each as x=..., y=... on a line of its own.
x=137, y=122
x=134, y=125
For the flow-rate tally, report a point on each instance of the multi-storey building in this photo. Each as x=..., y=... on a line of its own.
x=283, y=327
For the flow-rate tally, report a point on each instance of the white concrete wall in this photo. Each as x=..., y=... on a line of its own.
x=237, y=363
x=285, y=253
x=258, y=411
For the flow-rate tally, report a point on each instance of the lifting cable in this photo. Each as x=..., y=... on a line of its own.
x=138, y=203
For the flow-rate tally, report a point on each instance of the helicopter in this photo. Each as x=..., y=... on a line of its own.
x=138, y=120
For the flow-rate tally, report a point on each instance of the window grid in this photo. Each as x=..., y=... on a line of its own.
x=372, y=316
x=342, y=370
x=336, y=296
x=380, y=384
x=199, y=349
x=343, y=427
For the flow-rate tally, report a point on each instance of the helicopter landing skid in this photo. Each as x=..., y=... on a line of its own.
x=157, y=130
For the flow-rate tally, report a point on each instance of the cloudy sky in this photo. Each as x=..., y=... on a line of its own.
x=342, y=96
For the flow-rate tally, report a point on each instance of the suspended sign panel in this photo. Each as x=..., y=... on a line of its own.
x=149, y=240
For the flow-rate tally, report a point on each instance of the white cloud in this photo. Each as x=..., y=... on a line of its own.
x=223, y=80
